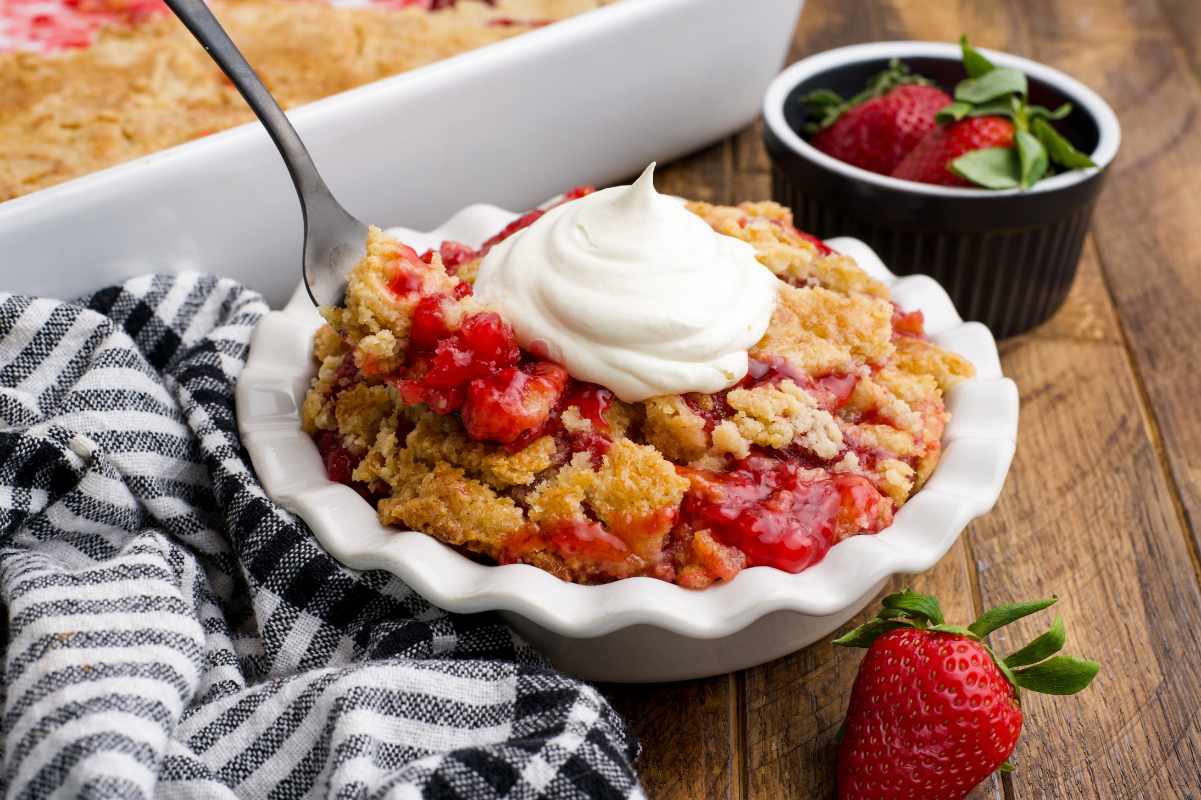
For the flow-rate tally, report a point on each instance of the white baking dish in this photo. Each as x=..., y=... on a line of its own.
x=639, y=629
x=591, y=99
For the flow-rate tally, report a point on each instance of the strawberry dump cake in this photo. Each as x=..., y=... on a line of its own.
x=86, y=84
x=625, y=385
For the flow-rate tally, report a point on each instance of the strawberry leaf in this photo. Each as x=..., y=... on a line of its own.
x=991, y=85
x=868, y=632
x=1005, y=768
x=921, y=606
x=1060, y=149
x=958, y=630
x=1057, y=675
x=1003, y=615
x=822, y=97
x=1041, y=648
x=1009, y=676
x=992, y=167
x=1032, y=157
x=953, y=112
x=973, y=61
x=827, y=105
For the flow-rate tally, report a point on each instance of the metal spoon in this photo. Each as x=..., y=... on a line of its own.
x=334, y=241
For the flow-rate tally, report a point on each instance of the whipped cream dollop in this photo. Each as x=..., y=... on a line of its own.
x=628, y=289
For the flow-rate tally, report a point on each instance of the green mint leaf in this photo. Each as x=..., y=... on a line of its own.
x=1059, y=148
x=1046, y=113
x=991, y=85
x=973, y=61
x=1003, y=615
x=921, y=606
x=1057, y=675
x=1001, y=107
x=953, y=112
x=1032, y=157
x=1041, y=648
x=868, y=632
x=992, y=168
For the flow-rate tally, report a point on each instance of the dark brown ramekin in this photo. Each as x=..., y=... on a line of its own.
x=1007, y=258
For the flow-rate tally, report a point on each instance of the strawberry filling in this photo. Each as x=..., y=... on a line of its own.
x=587, y=539
x=410, y=273
x=821, y=246
x=626, y=539
x=908, y=323
x=592, y=401
x=454, y=255
x=832, y=391
x=777, y=515
x=513, y=405
x=340, y=463
x=509, y=22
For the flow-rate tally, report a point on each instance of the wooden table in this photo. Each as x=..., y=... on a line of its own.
x=1101, y=501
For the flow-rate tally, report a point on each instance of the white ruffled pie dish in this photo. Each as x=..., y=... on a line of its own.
x=639, y=629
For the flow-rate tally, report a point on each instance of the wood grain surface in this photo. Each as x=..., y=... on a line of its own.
x=1106, y=485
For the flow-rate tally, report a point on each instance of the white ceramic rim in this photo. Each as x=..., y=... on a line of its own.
x=978, y=447
x=777, y=94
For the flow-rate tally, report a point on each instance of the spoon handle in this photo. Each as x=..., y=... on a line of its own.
x=198, y=19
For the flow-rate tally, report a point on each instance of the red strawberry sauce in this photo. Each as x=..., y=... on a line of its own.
x=769, y=509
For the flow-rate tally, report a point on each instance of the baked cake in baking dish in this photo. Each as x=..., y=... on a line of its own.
x=89, y=99
x=425, y=403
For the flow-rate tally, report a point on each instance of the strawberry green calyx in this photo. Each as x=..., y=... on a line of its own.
x=827, y=105
x=1038, y=148
x=1037, y=666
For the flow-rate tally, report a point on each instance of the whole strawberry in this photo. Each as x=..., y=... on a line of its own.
x=933, y=711
x=931, y=160
x=877, y=127
x=878, y=133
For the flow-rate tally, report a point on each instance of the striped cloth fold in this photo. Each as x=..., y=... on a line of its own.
x=170, y=631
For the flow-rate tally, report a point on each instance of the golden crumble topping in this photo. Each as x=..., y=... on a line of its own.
x=782, y=249
x=358, y=412
x=820, y=331
x=919, y=357
x=423, y=401
x=443, y=502
x=779, y=415
x=437, y=438
x=675, y=429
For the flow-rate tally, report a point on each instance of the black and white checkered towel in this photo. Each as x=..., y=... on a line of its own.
x=169, y=631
